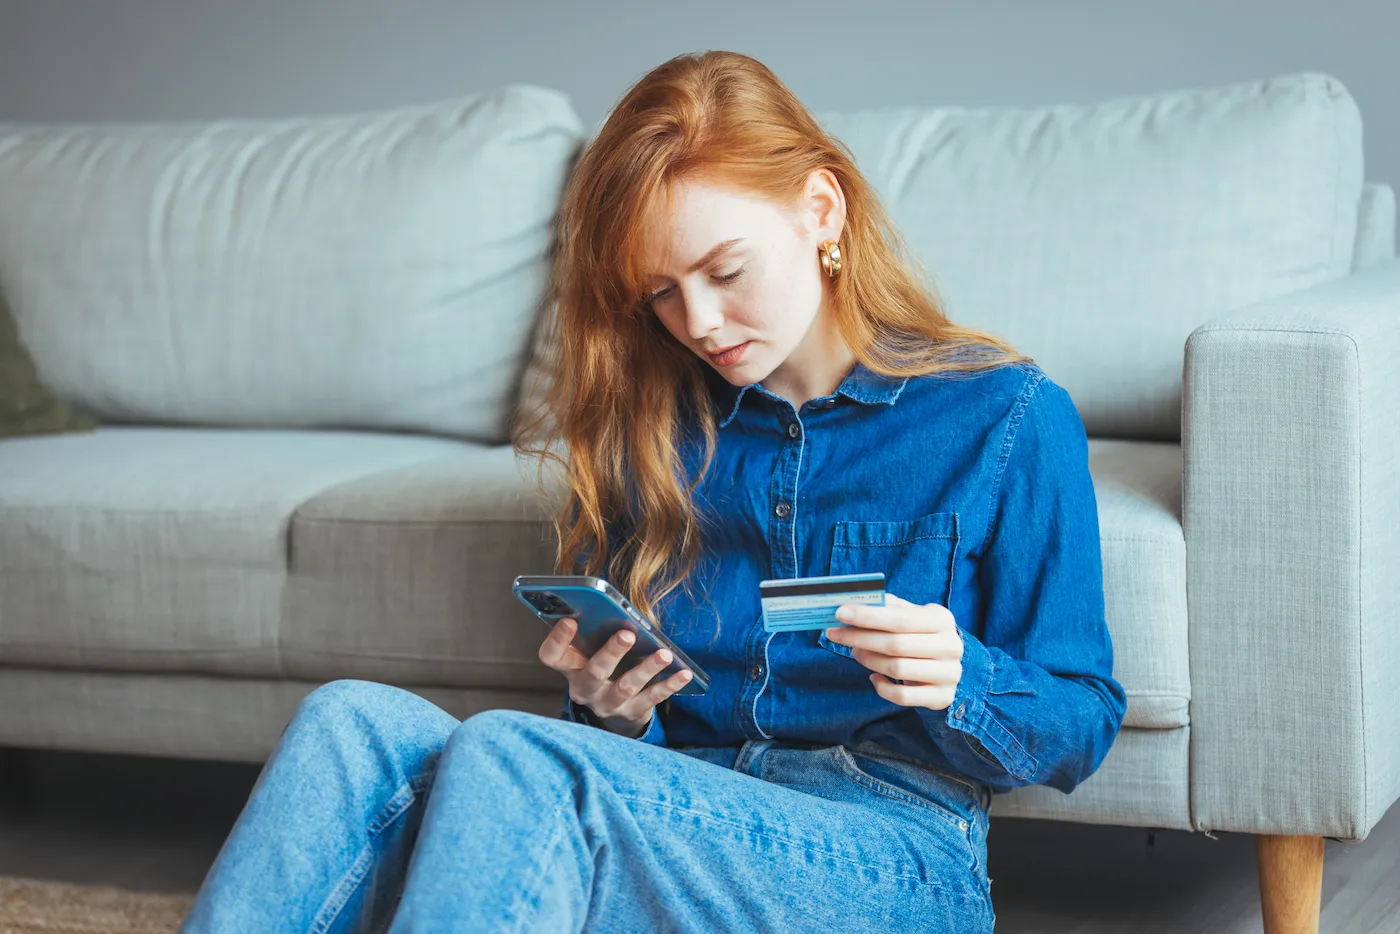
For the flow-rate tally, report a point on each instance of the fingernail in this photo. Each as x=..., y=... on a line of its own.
x=625, y=638
x=685, y=675
x=843, y=614
x=665, y=655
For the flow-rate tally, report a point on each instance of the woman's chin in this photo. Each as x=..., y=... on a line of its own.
x=744, y=374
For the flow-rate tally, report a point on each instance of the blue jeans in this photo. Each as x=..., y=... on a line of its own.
x=379, y=811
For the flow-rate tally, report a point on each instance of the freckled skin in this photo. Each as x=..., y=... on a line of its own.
x=779, y=298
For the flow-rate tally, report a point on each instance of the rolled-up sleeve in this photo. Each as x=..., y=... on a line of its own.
x=1037, y=702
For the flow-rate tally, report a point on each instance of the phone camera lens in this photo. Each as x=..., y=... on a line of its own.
x=546, y=603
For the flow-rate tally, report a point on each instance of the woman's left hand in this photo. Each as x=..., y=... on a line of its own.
x=919, y=645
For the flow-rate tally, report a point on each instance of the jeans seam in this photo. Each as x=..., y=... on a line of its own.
x=968, y=828
x=537, y=871
x=808, y=844
x=340, y=896
x=355, y=875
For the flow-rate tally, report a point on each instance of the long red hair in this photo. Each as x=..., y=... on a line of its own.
x=619, y=384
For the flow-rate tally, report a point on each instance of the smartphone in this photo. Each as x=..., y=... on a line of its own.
x=601, y=610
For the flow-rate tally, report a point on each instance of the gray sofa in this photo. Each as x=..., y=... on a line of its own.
x=307, y=341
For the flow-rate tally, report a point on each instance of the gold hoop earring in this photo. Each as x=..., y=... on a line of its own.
x=829, y=252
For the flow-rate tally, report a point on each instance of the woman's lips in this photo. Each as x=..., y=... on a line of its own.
x=730, y=356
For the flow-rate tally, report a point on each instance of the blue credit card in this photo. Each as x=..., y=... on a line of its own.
x=811, y=602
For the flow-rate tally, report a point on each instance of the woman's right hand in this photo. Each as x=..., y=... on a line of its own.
x=624, y=704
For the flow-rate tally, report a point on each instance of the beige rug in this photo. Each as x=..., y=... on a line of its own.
x=29, y=906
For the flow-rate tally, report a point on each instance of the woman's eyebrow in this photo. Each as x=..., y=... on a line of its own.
x=714, y=251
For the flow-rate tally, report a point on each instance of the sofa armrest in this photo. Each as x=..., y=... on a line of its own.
x=1291, y=508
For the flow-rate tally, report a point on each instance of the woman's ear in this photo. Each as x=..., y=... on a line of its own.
x=824, y=206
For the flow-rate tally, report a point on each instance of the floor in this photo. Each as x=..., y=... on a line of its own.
x=157, y=824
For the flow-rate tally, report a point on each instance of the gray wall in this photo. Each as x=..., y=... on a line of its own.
x=159, y=59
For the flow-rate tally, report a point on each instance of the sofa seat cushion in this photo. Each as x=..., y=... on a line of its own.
x=323, y=555
x=164, y=549
x=1138, y=487
x=405, y=575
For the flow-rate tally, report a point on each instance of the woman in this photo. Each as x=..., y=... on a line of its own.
x=755, y=383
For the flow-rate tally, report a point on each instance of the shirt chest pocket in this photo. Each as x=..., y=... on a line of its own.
x=916, y=556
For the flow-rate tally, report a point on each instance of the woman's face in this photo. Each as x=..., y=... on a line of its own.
x=730, y=269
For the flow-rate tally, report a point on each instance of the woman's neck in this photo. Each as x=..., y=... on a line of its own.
x=816, y=367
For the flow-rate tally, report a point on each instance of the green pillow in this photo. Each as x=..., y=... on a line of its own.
x=27, y=407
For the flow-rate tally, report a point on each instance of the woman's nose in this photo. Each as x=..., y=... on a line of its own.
x=703, y=313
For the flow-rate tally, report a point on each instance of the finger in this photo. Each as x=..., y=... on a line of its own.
x=556, y=651
x=908, y=644
x=650, y=697
x=661, y=690
x=921, y=670
x=604, y=661
x=896, y=617
x=935, y=697
x=631, y=683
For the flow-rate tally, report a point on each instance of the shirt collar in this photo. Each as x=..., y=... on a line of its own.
x=861, y=384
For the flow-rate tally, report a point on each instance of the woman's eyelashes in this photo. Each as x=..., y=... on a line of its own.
x=724, y=279
x=730, y=277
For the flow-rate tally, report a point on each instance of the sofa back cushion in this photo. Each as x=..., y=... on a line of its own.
x=1375, y=226
x=375, y=270
x=1096, y=238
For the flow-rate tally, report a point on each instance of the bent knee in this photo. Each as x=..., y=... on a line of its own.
x=370, y=715
x=504, y=719
x=335, y=698
x=505, y=727
x=368, y=706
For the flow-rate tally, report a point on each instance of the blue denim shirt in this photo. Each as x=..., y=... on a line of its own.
x=968, y=490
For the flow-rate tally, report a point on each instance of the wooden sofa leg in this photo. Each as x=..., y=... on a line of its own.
x=1290, y=883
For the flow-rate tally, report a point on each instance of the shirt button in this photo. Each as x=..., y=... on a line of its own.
x=793, y=430
x=962, y=709
x=782, y=510
x=756, y=671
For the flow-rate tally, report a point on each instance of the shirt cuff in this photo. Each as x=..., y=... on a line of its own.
x=971, y=696
x=654, y=734
x=971, y=722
